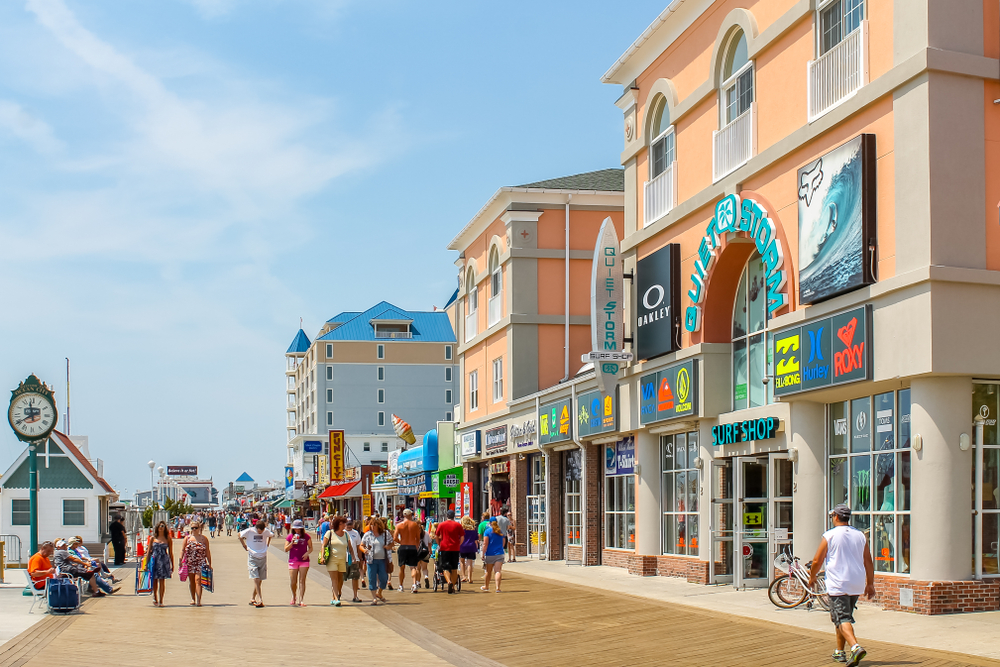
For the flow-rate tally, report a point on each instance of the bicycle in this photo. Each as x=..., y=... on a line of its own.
x=791, y=589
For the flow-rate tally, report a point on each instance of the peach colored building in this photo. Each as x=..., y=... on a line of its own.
x=802, y=349
x=522, y=317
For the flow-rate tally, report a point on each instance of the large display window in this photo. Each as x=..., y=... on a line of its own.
x=679, y=493
x=752, y=356
x=986, y=404
x=869, y=459
x=619, y=512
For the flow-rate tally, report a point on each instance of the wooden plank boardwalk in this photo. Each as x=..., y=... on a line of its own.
x=534, y=622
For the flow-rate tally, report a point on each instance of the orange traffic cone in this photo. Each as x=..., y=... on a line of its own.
x=140, y=549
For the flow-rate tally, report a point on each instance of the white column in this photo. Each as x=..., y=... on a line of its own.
x=941, y=480
x=806, y=434
x=647, y=494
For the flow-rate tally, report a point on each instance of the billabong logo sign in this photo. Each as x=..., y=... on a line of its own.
x=822, y=353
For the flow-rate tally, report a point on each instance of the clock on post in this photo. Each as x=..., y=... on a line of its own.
x=33, y=415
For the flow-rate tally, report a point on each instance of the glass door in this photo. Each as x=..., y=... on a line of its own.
x=750, y=542
x=722, y=521
x=781, y=504
x=536, y=526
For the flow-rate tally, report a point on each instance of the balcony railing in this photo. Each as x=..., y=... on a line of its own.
x=393, y=334
x=839, y=73
x=495, y=308
x=735, y=144
x=471, y=325
x=661, y=195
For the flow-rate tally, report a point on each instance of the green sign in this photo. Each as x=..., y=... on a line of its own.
x=597, y=413
x=555, y=422
x=671, y=392
x=447, y=482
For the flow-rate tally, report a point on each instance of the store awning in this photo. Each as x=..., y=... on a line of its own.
x=283, y=505
x=350, y=489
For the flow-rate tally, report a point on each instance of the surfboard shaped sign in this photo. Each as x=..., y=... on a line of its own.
x=607, y=326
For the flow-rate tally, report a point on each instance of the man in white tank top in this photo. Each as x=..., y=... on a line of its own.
x=849, y=573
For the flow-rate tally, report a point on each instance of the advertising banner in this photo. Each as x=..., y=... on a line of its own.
x=289, y=481
x=463, y=506
x=190, y=471
x=832, y=351
x=496, y=441
x=658, y=293
x=323, y=466
x=606, y=294
x=598, y=413
x=394, y=462
x=671, y=392
x=555, y=422
x=471, y=443
x=619, y=457
x=336, y=456
x=366, y=504
x=837, y=221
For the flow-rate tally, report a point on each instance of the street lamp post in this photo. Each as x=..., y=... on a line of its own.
x=160, y=486
x=151, y=464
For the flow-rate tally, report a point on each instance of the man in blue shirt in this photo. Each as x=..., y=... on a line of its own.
x=324, y=527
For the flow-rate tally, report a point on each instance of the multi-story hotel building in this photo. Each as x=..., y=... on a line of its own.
x=362, y=368
x=523, y=320
x=795, y=347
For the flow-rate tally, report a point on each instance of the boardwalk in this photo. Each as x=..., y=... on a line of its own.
x=535, y=622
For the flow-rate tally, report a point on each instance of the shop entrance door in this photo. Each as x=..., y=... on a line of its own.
x=750, y=534
x=536, y=526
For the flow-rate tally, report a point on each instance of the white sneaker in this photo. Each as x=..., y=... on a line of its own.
x=413, y=588
x=400, y=588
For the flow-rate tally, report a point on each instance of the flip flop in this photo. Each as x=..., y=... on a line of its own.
x=484, y=589
x=259, y=606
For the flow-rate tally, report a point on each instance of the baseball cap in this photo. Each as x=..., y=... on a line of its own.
x=60, y=543
x=841, y=511
x=298, y=524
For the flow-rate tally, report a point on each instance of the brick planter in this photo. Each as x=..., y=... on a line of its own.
x=937, y=597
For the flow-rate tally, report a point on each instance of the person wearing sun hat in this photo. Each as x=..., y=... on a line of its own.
x=66, y=562
x=77, y=547
x=849, y=573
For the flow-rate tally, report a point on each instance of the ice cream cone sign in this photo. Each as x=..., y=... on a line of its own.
x=403, y=430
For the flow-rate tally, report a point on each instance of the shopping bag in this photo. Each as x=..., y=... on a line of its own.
x=207, y=579
x=144, y=576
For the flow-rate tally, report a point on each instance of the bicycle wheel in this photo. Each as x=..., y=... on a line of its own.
x=786, y=592
x=821, y=596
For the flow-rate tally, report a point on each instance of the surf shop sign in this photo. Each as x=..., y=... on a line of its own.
x=735, y=214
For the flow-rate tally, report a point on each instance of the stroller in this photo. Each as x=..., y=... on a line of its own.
x=439, y=580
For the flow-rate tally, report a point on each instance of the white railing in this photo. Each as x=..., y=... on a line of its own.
x=471, y=325
x=838, y=73
x=661, y=195
x=735, y=144
x=495, y=309
x=393, y=334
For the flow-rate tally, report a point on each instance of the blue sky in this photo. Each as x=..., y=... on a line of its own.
x=181, y=181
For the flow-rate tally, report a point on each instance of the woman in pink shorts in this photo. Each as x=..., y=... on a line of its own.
x=298, y=546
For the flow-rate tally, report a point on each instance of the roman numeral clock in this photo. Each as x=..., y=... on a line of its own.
x=32, y=412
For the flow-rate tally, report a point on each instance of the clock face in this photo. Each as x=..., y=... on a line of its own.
x=32, y=415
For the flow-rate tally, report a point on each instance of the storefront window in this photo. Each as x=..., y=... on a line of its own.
x=869, y=470
x=619, y=512
x=679, y=493
x=574, y=502
x=985, y=404
x=752, y=356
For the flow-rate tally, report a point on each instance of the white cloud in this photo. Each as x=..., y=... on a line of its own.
x=17, y=121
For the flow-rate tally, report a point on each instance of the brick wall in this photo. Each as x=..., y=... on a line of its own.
x=593, y=514
x=616, y=558
x=937, y=597
x=685, y=567
x=520, y=480
x=554, y=504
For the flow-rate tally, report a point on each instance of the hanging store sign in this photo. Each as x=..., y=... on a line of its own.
x=496, y=441
x=351, y=474
x=394, y=462
x=289, y=481
x=606, y=325
x=832, y=351
x=733, y=214
x=837, y=212
x=658, y=293
x=471, y=443
x=619, y=457
x=597, y=413
x=336, y=456
x=500, y=468
x=522, y=436
x=323, y=469
x=555, y=422
x=671, y=392
x=750, y=430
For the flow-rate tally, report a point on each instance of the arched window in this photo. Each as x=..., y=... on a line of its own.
x=471, y=305
x=661, y=148
x=751, y=347
x=496, y=287
x=737, y=79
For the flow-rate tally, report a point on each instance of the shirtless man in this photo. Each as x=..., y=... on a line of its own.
x=407, y=536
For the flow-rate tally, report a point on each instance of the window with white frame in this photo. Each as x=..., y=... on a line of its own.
x=381, y=351
x=380, y=373
x=329, y=350
x=837, y=20
x=474, y=390
x=619, y=512
x=498, y=380
x=385, y=446
x=471, y=306
x=752, y=355
x=329, y=372
x=496, y=287
x=447, y=374
x=329, y=418
x=574, y=498
x=447, y=418
x=447, y=396
x=381, y=395
x=661, y=147
x=447, y=352
x=74, y=512
x=381, y=419
x=985, y=404
x=679, y=493
x=737, y=79
x=20, y=512
x=329, y=395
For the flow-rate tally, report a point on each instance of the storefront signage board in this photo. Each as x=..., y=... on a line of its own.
x=366, y=504
x=523, y=436
x=668, y=393
x=448, y=482
x=323, y=468
x=606, y=324
x=658, y=295
x=351, y=474
x=413, y=485
x=735, y=214
x=312, y=446
x=500, y=468
x=394, y=462
x=619, y=457
x=832, y=351
x=597, y=413
x=336, y=456
x=837, y=210
x=495, y=441
x=749, y=430
x=555, y=422
x=471, y=443
x=190, y=471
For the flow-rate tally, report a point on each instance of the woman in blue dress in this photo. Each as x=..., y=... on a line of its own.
x=161, y=565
